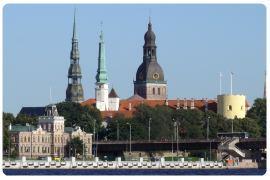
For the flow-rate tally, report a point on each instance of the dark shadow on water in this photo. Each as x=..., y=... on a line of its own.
x=134, y=172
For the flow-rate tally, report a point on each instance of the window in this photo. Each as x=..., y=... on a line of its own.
x=242, y=108
x=154, y=91
x=230, y=108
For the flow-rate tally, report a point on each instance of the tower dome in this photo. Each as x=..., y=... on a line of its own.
x=150, y=82
x=149, y=36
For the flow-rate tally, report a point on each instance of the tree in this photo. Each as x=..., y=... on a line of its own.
x=75, y=147
x=8, y=119
x=76, y=115
x=22, y=119
x=258, y=112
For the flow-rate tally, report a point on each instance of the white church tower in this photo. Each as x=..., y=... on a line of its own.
x=102, y=89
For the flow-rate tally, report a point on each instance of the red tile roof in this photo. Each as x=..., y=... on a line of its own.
x=128, y=106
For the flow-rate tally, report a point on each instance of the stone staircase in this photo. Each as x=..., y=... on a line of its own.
x=229, y=146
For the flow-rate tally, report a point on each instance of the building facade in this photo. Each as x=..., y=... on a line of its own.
x=150, y=83
x=50, y=138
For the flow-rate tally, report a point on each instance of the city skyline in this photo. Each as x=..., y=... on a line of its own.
x=231, y=41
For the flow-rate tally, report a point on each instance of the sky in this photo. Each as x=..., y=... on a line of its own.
x=194, y=44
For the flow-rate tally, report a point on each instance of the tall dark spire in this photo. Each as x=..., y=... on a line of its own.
x=74, y=90
x=74, y=25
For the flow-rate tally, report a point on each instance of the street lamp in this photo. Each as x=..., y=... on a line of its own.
x=176, y=124
x=94, y=136
x=149, y=130
x=9, y=146
x=207, y=128
x=117, y=130
x=129, y=138
x=232, y=125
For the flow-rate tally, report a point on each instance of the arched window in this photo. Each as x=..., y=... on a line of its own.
x=230, y=108
x=158, y=91
x=154, y=92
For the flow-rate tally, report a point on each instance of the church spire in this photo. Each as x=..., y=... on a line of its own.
x=74, y=92
x=101, y=76
x=74, y=54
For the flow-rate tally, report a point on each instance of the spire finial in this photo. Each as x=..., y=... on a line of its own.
x=149, y=16
x=101, y=31
x=74, y=24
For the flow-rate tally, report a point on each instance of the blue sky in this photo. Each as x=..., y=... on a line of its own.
x=194, y=44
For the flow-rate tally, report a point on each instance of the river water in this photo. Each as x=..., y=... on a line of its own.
x=134, y=171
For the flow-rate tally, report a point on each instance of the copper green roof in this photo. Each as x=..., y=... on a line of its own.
x=101, y=76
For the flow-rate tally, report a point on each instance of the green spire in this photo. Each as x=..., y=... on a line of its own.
x=101, y=76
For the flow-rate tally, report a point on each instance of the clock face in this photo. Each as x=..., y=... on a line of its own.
x=156, y=76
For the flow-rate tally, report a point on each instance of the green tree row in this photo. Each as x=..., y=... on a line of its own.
x=192, y=123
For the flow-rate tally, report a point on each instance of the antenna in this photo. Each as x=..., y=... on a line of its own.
x=220, y=79
x=231, y=81
x=50, y=95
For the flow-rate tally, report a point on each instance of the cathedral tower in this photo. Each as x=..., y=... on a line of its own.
x=150, y=82
x=102, y=89
x=74, y=92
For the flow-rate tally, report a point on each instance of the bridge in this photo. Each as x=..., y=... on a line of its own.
x=183, y=144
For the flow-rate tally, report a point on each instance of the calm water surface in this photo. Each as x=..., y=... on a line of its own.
x=134, y=172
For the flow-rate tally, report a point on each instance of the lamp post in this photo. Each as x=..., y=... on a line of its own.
x=117, y=130
x=9, y=145
x=177, y=138
x=129, y=138
x=149, y=130
x=207, y=129
x=94, y=136
x=83, y=143
x=232, y=125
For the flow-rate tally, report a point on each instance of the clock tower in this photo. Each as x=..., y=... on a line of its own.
x=150, y=83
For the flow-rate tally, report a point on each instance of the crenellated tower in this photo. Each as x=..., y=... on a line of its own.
x=74, y=92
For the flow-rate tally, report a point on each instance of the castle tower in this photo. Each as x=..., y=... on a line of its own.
x=150, y=82
x=102, y=90
x=74, y=92
x=231, y=106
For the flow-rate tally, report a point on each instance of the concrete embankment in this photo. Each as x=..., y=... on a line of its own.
x=112, y=165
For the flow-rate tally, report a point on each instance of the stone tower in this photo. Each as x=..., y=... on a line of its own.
x=102, y=89
x=150, y=82
x=74, y=92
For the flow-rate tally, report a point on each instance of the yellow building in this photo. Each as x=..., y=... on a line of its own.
x=231, y=106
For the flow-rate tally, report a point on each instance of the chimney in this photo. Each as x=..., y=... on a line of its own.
x=129, y=106
x=192, y=103
x=178, y=104
x=206, y=104
x=185, y=103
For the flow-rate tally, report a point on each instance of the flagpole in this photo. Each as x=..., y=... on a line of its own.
x=220, y=75
x=231, y=82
